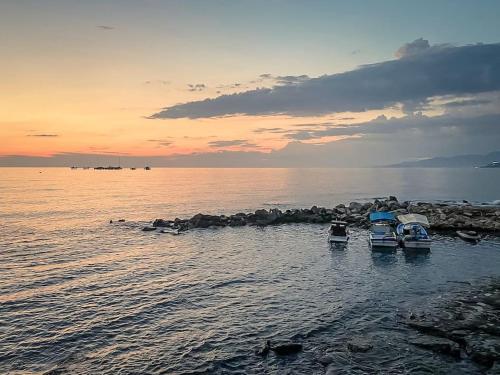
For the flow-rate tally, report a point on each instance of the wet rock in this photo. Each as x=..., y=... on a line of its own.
x=493, y=300
x=205, y=221
x=161, y=223
x=483, y=349
x=428, y=328
x=438, y=345
x=494, y=370
x=355, y=207
x=264, y=351
x=148, y=229
x=287, y=348
x=359, y=345
x=121, y=220
x=326, y=359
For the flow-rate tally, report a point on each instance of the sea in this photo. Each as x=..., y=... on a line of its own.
x=81, y=295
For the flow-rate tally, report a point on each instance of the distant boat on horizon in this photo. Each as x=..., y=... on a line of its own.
x=110, y=168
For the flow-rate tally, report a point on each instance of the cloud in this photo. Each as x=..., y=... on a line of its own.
x=105, y=27
x=42, y=135
x=232, y=143
x=161, y=142
x=157, y=81
x=466, y=103
x=291, y=80
x=436, y=126
x=414, y=78
x=197, y=87
x=412, y=48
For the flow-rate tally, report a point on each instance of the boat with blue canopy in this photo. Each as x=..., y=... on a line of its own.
x=382, y=235
x=382, y=216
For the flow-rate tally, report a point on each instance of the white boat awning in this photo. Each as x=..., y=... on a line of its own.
x=414, y=218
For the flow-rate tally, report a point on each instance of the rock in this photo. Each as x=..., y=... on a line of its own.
x=494, y=370
x=325, y=360
x=287, y=348
x=359, y=345
x=493, y=300
x=121, y=220
x=428, y=328
x=264, y=351
x=355, y=207
x=438, y=345
x=392, y=198
x=205, y=221
x=148, y=229
x=483, y=349
x=161, y=223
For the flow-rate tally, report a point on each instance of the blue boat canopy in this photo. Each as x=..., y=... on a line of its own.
x=382, y=216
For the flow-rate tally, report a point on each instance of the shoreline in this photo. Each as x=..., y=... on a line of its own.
x=443, y=217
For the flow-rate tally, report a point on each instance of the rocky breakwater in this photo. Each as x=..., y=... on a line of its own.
x=442, y=217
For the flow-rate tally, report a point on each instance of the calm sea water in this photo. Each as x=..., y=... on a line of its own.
x=81, y=296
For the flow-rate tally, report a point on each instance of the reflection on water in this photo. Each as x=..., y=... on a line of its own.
x=88, y=297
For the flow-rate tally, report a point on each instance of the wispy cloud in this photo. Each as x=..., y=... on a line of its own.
x=196, y=87
x=161, y=142
x=231, y=143
x=161, y=82
x=466, y=103
x=43, y=135
x=421, y=73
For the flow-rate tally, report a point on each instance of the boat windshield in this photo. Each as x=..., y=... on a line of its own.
x=338, y=230
x=381, y=229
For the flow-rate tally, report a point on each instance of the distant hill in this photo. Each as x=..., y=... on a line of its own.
x=459, y=161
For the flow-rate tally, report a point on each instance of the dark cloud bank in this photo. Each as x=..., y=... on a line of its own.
x=421, y=72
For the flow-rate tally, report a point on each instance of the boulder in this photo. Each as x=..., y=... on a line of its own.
x=438, y=345
x=148, y=229
x=161, y=223
x=326, y=359
x=359, y=345
x=355, y=207
x=287, y=348
x=205, y=221
x=483, y=349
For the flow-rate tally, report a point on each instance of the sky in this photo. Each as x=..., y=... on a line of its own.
x=247, y=83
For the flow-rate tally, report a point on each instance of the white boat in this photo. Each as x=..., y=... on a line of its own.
x=338, y=233
x=411, y=232
x=382, y=236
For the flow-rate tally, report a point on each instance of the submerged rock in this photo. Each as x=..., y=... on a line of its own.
x=359, y=345
x=287, y=348
x=438, y=345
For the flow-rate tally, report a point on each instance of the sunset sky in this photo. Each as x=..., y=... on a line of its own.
x=288, y=82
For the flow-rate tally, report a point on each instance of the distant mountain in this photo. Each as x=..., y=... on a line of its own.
x=458, y=161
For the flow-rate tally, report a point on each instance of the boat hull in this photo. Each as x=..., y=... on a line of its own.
x=417, y=244
x=338, y=239
x=383, y=243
